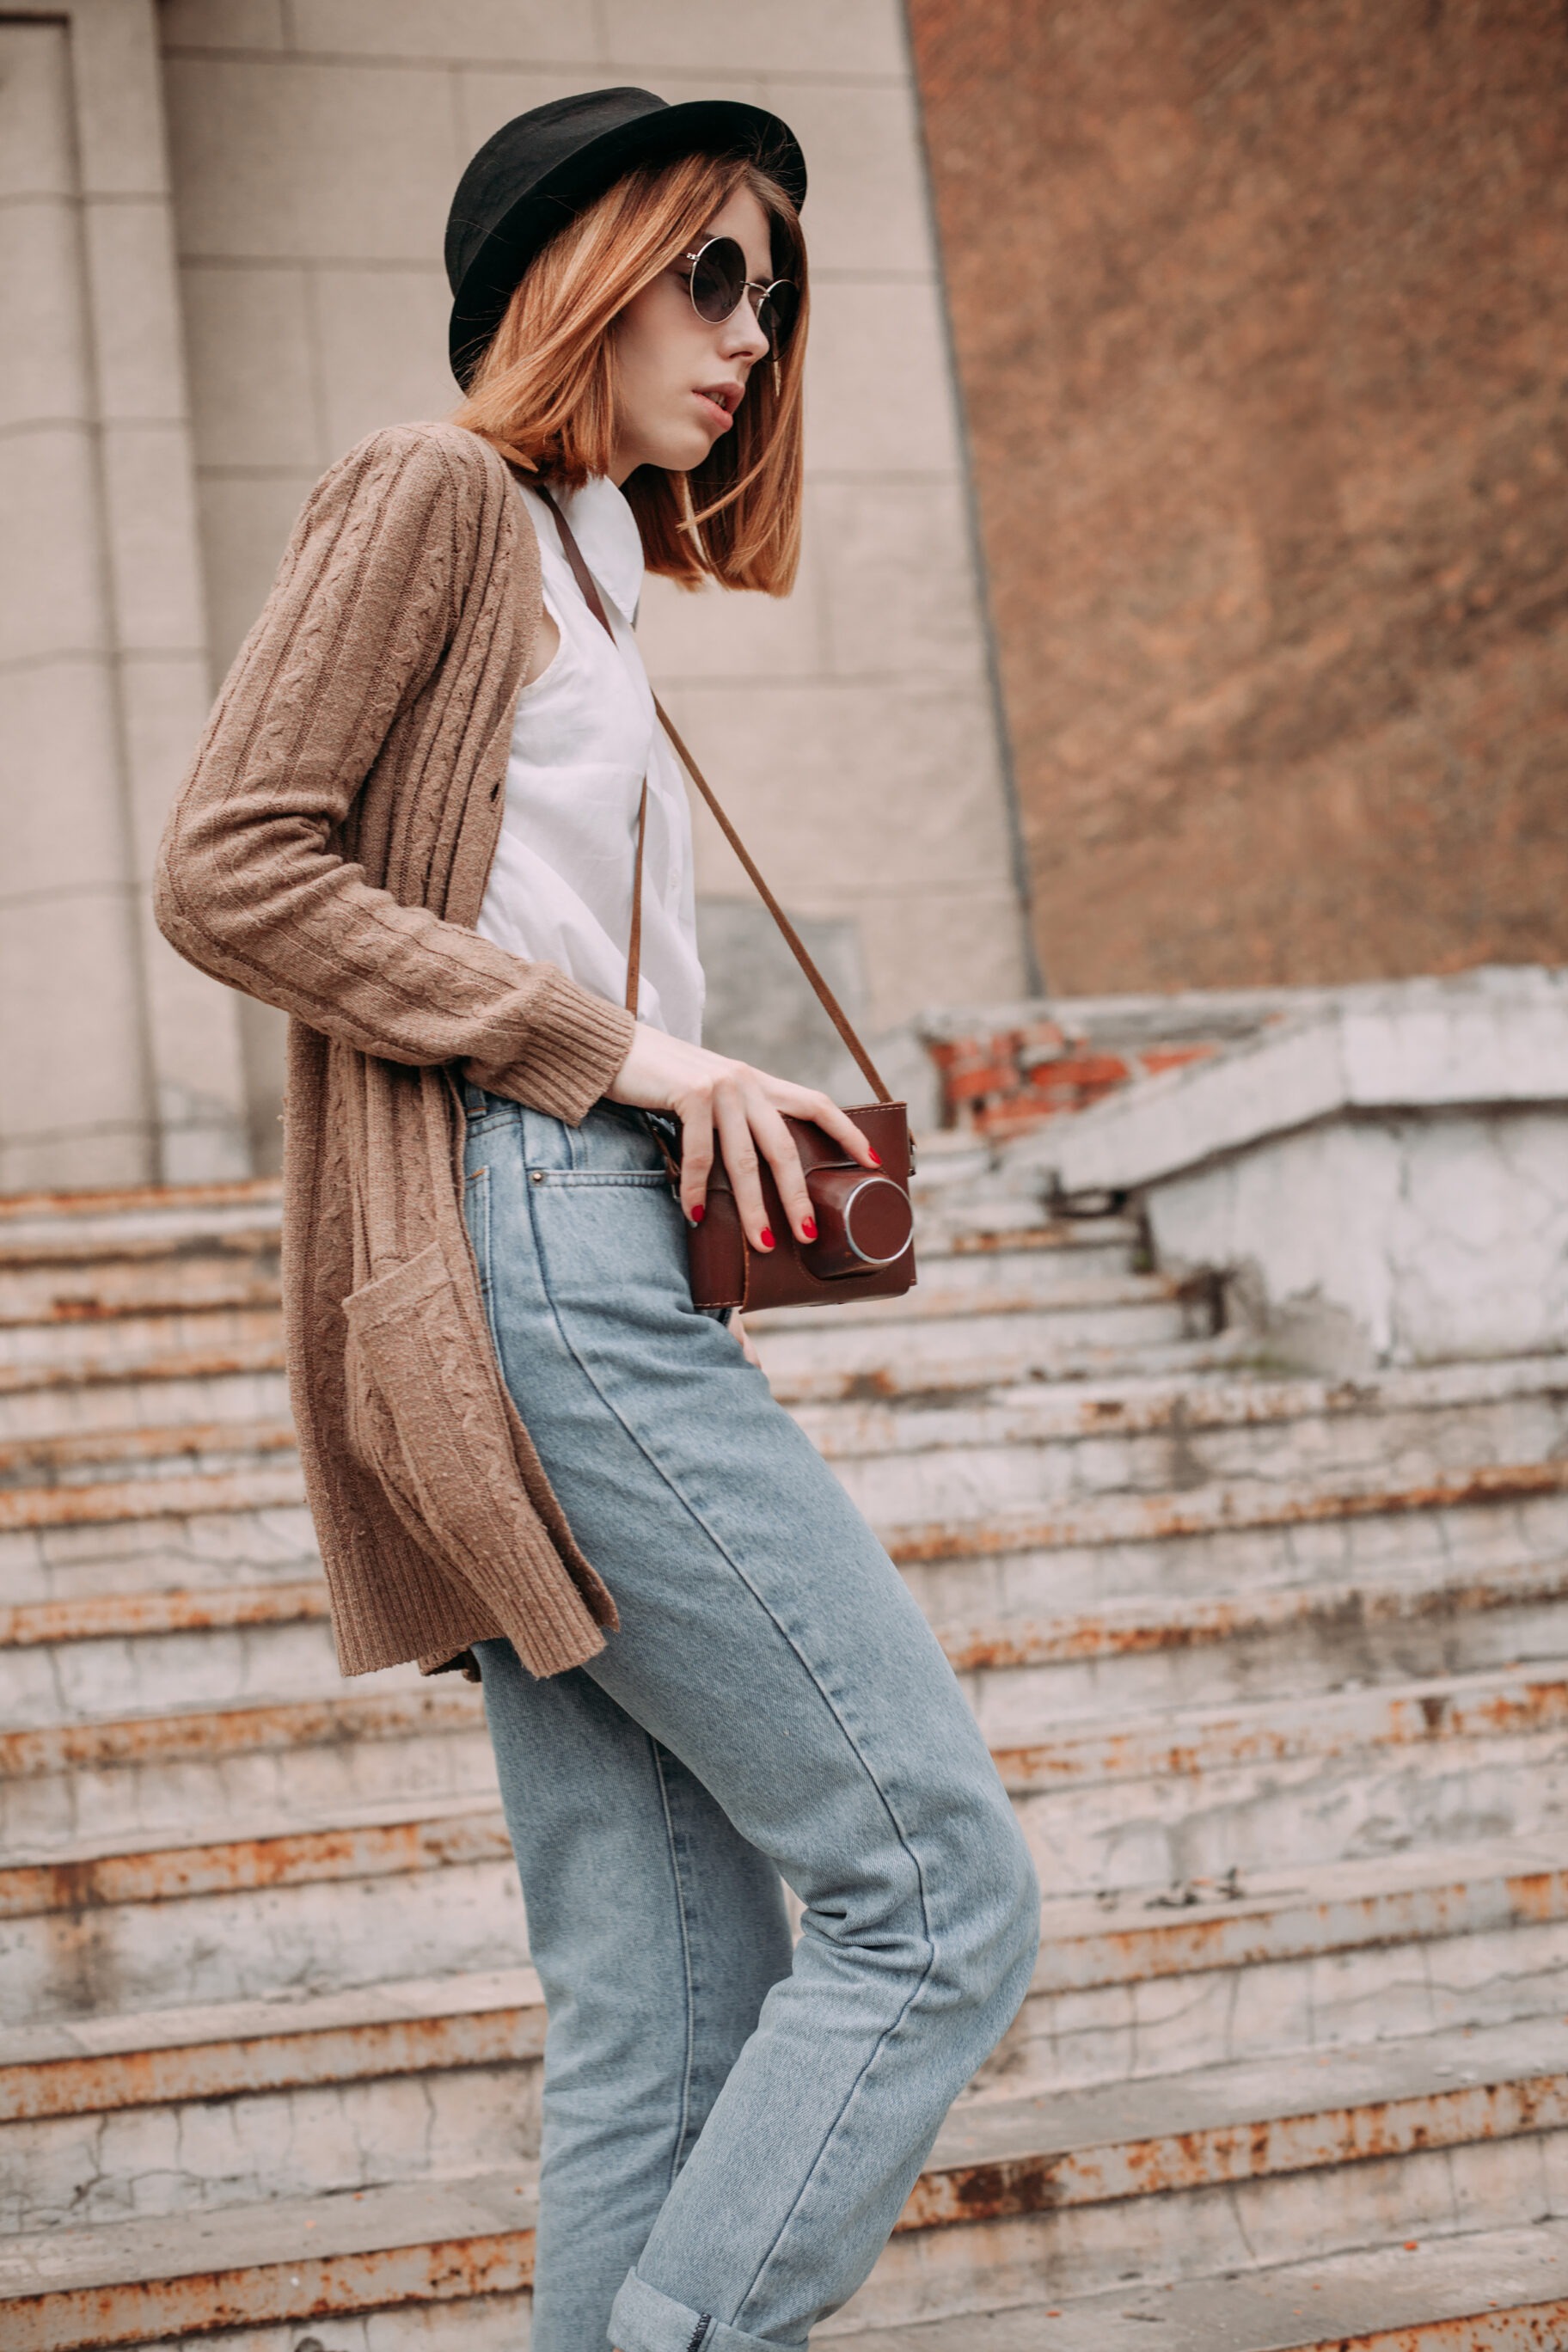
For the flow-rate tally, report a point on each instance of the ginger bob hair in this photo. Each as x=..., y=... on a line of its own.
x=544, y=391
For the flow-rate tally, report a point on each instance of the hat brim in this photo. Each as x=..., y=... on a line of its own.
x=702, y=126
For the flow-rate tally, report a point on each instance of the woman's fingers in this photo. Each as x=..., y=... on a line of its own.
x=732, y=1119
x=778, y=1148
x=730, y=1107
x=696, y=1158
x=807, y=1103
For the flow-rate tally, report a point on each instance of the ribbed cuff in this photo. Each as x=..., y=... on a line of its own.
x=576, y=1044
x=643, y=2320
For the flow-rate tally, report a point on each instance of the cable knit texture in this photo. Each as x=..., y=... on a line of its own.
x=329, y=852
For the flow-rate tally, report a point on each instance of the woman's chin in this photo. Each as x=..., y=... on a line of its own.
x=681, y=448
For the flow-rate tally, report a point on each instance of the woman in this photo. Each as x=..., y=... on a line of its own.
x=413, y=823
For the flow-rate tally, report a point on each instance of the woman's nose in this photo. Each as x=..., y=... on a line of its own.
x=744, y=338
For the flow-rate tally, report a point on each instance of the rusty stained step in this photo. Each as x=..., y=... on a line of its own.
x=1156, y=1623
x=1220, y=1507
x=161, y=1492
x=1213, y=1509
x=337, y=1719
x=1482, y=2291
x=959, y=1356
x=379, y=1841
x=142, y=2282
x=1223, y=2126
x=228, y=1393
x=1118, y=1629
x=95, y=2065
x=1149, y=1627
x=180, y=1348
x=200, y=1341
x=944, y=1292
x=232, y=1270
x=30, y=1462
x=1042, y=2160
x=1180, y=1743
x=68, y=1212
x=105, y=1616
x=1022, y=1451
x=985, y=1413
x=400, y=1835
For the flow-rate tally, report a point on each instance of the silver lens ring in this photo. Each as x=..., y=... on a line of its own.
x=871, y=1183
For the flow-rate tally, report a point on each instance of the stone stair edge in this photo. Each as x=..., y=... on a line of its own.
x=1115, y=1628
x=1410, y=2296
x=1085, y=1942
x=996, y=2158
x=128, y=1200
x=1134, y=1402
x=1129, y=1402
x=1150, y=1622
x=1221, y=1506
x=192, y=1363
x=1496, y=1702
x=135, y=2282
x=1113, y=1519
x=1170, y=1741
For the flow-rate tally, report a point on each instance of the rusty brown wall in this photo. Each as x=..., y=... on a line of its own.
x=1260, y=315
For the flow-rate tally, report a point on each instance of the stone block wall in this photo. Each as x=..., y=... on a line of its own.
x=118, y=1063
x=1259, y=320
x=851, y=729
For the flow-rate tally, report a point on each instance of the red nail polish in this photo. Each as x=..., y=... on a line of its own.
x=808, y=1229
x=876, y=1156
x=698, y=1213
x=767, y=1238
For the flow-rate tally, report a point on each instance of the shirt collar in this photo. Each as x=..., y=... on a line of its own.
x=607, y=531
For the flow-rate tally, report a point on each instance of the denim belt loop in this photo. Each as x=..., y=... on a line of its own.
x=474, y=1099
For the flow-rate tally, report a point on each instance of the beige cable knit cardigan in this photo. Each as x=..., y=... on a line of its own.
x=329, y=852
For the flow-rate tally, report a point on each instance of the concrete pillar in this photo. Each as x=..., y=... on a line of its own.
x=118, y=1064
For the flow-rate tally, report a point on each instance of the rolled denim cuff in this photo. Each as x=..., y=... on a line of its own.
x=643, y=2320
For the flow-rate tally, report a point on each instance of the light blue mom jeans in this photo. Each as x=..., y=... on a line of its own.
x=730, y=2129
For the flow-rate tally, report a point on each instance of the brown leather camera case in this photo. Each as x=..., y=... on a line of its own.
x=726, y=1272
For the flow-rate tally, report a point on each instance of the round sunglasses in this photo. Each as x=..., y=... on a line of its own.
x=718, y=283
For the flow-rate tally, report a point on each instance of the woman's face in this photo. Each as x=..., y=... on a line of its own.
x=680, y=379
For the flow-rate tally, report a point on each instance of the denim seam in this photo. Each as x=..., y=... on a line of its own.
x=690, y=1507
x=678, y=2157
x=600, y=1179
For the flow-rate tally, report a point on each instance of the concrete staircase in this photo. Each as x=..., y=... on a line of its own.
x=1275, y=1669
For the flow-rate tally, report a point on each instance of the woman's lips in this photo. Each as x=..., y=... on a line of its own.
x=716, y=413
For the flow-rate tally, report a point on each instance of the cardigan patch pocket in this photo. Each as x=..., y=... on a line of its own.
x=422, y=1418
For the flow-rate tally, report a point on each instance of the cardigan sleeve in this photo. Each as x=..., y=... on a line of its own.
x=249, y=885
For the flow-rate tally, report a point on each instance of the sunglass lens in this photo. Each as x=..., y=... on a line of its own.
x=777, y=313
x=718, y=279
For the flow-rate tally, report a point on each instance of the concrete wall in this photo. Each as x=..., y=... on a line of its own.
x=1381, y=1172
x=1258, y=311
x=118, y=1064
x=315, y=145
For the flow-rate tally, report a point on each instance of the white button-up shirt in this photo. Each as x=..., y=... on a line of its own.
x=584, y=737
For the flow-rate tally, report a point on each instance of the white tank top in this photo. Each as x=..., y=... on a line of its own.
x=584, y=737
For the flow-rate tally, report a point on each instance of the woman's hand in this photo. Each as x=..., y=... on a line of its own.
x=743, y=1109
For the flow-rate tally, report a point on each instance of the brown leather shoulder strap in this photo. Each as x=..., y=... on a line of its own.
x=580, y=572
x=825, y=997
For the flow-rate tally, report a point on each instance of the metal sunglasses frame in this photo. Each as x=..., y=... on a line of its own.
x=747, y=286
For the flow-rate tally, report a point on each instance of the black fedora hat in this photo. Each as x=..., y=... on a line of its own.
x=543, y=167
